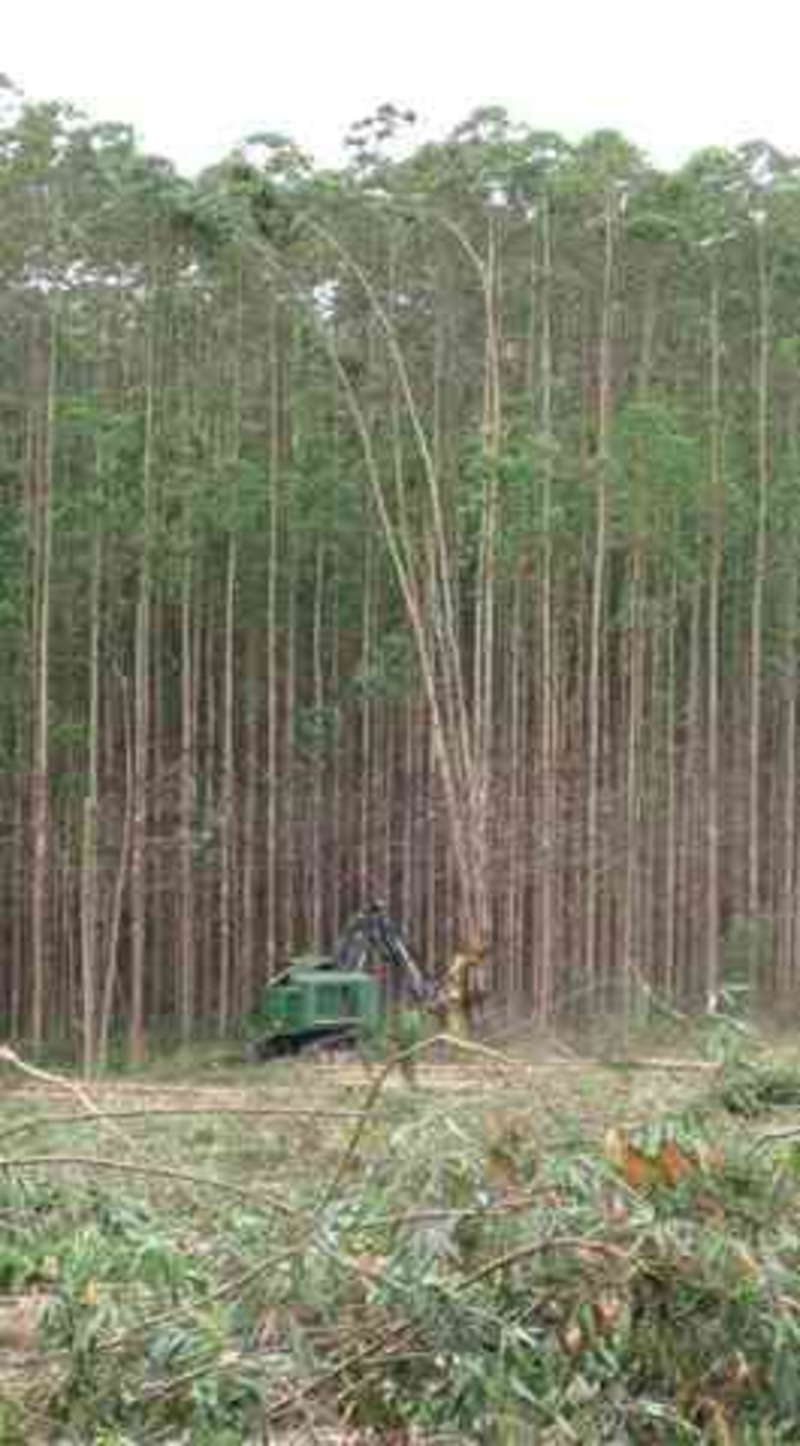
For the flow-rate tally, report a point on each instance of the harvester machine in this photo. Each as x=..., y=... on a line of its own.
x=343, y=999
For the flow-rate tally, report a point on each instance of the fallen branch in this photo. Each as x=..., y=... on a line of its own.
x=162, y=1172
x=670, y=1066
x=52, y=1081
x=295, y=1400
x=424, y=1046
x=508, y=1206
x=29, y=1126
x=601, y=1248
x=372, y=1352
x=776, y=1137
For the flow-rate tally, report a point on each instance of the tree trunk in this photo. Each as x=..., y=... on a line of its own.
x=712, y=963
x=593, y=881
x=89, y=850
x=547, y=841
x=186, y=924
x=248, y=972
x=141, y=745
x=759, y=583
x=228, y=799
x=40, y=784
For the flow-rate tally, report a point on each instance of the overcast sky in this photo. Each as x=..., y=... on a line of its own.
x=196, y=76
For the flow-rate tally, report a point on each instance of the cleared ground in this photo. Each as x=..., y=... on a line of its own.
x=509, y=1247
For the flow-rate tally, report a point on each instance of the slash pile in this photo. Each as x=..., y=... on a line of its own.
x=401, y=1264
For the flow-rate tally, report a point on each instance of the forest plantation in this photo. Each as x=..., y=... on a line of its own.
x=426, y=529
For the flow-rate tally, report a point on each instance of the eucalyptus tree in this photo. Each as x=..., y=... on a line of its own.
x=427, y=525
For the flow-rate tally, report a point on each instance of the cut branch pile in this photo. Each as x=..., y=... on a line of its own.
x=587, y=1271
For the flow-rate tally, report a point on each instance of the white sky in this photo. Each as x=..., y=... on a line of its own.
x=196, y=76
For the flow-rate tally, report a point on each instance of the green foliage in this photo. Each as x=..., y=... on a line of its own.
x=232, y=360
x=748, y=952
x=755, y=1088
x=484, y=1269
x=657, y=479
x=316, y=729
x=391, y=674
